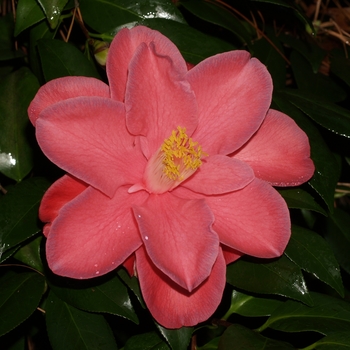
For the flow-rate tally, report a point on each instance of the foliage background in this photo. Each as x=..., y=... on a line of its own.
x=300, y=300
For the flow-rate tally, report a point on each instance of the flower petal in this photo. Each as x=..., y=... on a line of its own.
x=279, y=152
x=172, y=306
x=93, y=234
x=60, y=193
x=122, y=50
x=218, y=174
x=87, y=138
x=253, y=221
x=230, y=254
x=62, y=89
x=157, y=98
x=233, y=93
x=178, y=237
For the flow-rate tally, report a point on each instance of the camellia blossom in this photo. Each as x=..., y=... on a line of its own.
x=169, y=171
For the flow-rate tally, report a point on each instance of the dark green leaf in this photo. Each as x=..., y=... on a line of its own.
x=146, y=341
x=326, y=315
x=52, y=10
x=70, y=328
x=97, y=296
x=16, y=92
x=297, y=198
x=20, y=294
x=193, y=44
x=312, y=254
x=28, y=14
x=251, y=306
x=212, y=345
x=279, y=276
x=340, y=66
x=109, y=15
x=337, y=235
x=334, y=341
x=19, y=211
x=30, y=254
x=213, y=13
x=327, y=170
x=316, y=83
x=61, y=59
x=244, y=338
x=133, y=284
x=178, y=339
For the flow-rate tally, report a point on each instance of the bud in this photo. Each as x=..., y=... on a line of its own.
x=100, y=51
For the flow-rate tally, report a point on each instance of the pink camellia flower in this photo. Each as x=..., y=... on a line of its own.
x=170, y=171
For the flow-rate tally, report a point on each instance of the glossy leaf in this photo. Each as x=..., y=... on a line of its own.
x=278, y=276
x=327, y=169
x=334, y=341
x=133, y=284
x=213, y=13
x=61, y=59
x=312, y=254
x=252, y=306
x=337, y=235
x=178, y=339
x=96, y=295
x=70, y=328
x=326, y=315
x=19, y=211
x=146, y=341
x=16, y=92
x=329, y=115
x=244, y=338
x=110, y=15
x=20, y=294
x=297, y=198
x=52, y=10
x=29, y=13
x=194, y=45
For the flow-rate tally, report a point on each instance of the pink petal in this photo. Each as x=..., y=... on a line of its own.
x=122, y=50
x=129, y=264
x=253, y=221
x=218, y=174
x=157, y=98
x=230, y=254
x=93, y=234
x=87, y=137
x=61, y=192
x=233, y=93
x=172, y=306
x=279, y=152
x=178, y=237
x=62, y=89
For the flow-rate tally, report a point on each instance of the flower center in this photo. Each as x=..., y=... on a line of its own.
x=175, y=161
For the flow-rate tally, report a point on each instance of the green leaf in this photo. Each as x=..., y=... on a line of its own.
x=326, y=315
x=110, y=15
x=146, y=341
x=96, y=295
x=318, y=84
x=61, y=59
x=297, y=198
x=244, y=338
x=213, y=13
x=28, y=14
x=52, y=10
x=312, y=254
x=278, y=276
x=178, y=339
x=337, y=235
x=30, y=254
x=72, y=329
x=20, y=294
x=329, y=115
x=340, y=66
x=327, y=169
x=333, y=341
x=19, y=211
x=193, y=44
x=251, y=306
x=16, y=92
